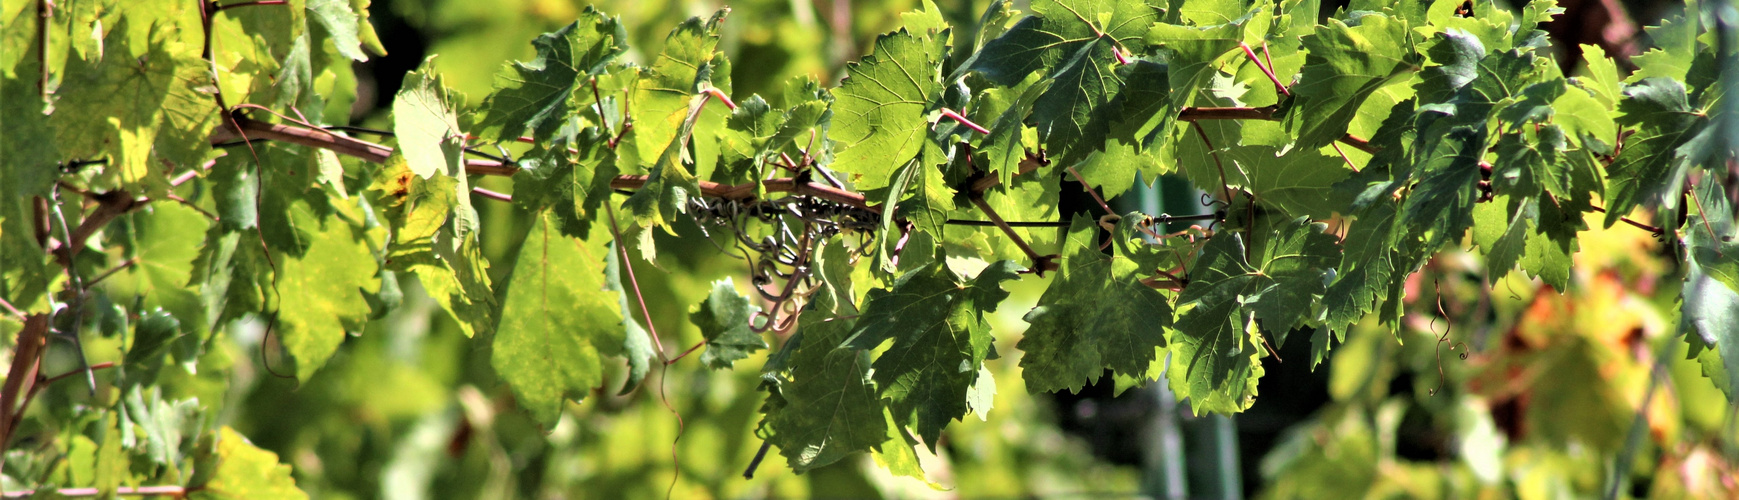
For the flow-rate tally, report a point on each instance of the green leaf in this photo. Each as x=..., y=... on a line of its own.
x=879, y=117
x=539, y=95
x=1097, y=314
x=1295, y=181
x=746, y=141
x=323, y=289
x=1440, y=208
x=723, y=319
x=152, y=337
x=1367, y=270
x=831, y=408
x=1502, y=233
x=1216, y=340
x=663, y=97
x=931, y=199
x=128, y=107
x=1345, y=66
x=940, y=338
x=636, y=342
x=1601, y=79
x=1082, y=85
x=1059, y=31
x=572, y=185
x=899, y=453
x=1196, y=54
x=670, y=184
x=1651, y=165
x=164, y=424
x=557, y=320
x=1675, y=47
x=29, y=153
x=1003, y=150
x=426, y=216
x=341, y=24
x=1711, y=295
x=427, y=130
x=244, y=471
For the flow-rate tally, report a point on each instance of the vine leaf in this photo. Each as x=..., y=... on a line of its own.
x=723, y=318
x=1344, y=66
x=1711, y=296
x=1440, y=208
x=1216, y=338
x=323, y=289
x=1059, y=31
x=931, y=198
x=153, y=336
x=663, y=95
x=341, y=24
x=134, y=104
x=427, y=130
x=1063, y=115
x=879, y=117
x=826, y=407
x=1003, y=150
x=539, y=95
x=557, y=320
x=1675, y=47
x=1196, y=54
x=940, y=338
x=241, y=470
x=424, y=215
x=1096, y=315
x=570, y=175
x=1297, y=181
x=669, y=185
x=636, y=342
x=1651, y=165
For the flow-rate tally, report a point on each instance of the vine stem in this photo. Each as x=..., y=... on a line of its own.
x=953, y=115
x=169, y=491
x=1090, y=191
x=1040, y=263
x=1225, y=188
x=1265, y=70
x=99, y=366
x=1638, y=225
x=12, y=310
x=251, y=3
x=720, y=95
x=628, y=265
x=492, y=194
x=26, y=360
x=44, y=13
x=1705, y=217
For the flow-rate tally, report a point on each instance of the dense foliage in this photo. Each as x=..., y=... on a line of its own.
x=181, y=178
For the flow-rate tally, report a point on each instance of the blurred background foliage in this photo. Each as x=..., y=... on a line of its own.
x=1494, y=390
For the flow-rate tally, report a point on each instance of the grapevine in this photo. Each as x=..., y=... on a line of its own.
x=875, y=224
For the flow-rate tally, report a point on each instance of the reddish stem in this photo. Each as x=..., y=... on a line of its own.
x=1090, y=191
x=720, y=95
x=634, y=283
x=252, y=3
x=1638, y=225
x=492, y=194
x=684, y=354
x=1258, y=62
x=169, y=491
x=949, y=113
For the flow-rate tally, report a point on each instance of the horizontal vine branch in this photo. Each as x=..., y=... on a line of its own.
x=169, y=491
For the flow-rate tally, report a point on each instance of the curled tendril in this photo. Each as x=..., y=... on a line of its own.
x=1443, y=338
x=780, y=253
